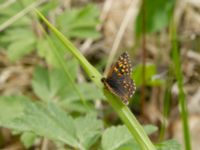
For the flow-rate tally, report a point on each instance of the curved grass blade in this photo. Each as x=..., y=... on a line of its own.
x=123, y=111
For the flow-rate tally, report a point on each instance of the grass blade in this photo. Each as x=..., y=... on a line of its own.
x=123, y=111
x=181, y=94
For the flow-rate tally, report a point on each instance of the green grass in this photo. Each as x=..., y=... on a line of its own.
x=181, y=94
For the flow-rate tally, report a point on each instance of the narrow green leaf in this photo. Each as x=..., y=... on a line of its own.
x=181, y=95
x=124, y=113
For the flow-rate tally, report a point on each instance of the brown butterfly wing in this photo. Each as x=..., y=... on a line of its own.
x=119, y=81
x=122, y=66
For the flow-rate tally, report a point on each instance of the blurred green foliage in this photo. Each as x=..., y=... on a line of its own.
x=80, y=23
x=150, y=73
x=24, y=36
x=20, y=113
x=154, y=16
x=60, y=114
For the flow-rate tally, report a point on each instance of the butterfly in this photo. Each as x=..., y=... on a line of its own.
x=118, y=80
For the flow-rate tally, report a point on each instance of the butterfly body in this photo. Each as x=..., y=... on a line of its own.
x=119, y=80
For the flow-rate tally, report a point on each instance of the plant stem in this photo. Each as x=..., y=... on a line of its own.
x=181, y=94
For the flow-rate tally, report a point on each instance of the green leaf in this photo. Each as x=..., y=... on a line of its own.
x=72, y=102
x=88, y=90
x=45, y=51
x=48, y=121
x=88, y=130
x=46, y=47
x=169, y=145
x=48, y=85
x=8, y=11
x=115, y=137
x=80, y=22
x=15, y=34
x=21, y=42
x=28, y=139
x=54, y=85
x=119, y=138
x=150, y=129
x=42, y=85
x=84, y=33
x=11, y=108
x=150, y=72
x=20, y=48
x=76, y=106
x=48, y=6
x=157, y=15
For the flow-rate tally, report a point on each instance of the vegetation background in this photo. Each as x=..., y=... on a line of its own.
x=52, y=98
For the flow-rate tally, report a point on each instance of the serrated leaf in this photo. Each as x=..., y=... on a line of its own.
x=45, y=51
x=54, y=85
x=84, y=33
x=88, y=130
x=48, y=85
x=41, y=84
x=49, y=121
x=115, y=137
x=119, y=138
x=21, y=42
x=15, y=34
x=72, y=102
x=80, y=22
x=44, y=120
x=169, y=145
x=130, y=146
x=11, y=108
x=76, y=106
x=48, y=6
x=19, y=36
x=47, y=47
x=18, y=49
x=8, y=11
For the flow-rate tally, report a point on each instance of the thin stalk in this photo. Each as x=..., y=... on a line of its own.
x=166, y=107
x=143, y=56
x=181, y=95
